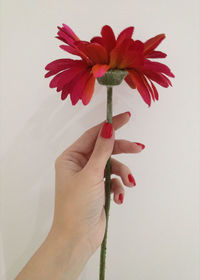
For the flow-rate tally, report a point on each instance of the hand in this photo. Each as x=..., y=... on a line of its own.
x=80, y=192
x=79, y=218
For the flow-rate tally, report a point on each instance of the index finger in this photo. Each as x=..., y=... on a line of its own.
x=85, y=143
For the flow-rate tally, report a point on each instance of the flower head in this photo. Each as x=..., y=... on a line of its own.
x=77, y=76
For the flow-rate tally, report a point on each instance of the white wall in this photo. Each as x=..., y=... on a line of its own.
x=155, y=234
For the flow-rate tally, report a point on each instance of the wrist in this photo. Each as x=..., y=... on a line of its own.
x=72, y=252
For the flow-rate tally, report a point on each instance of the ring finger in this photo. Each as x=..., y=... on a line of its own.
x=120, y=169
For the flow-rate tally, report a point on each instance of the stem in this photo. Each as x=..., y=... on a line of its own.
x=109, y=105
x=107, y=191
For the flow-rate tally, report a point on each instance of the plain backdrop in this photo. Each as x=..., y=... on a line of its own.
x=155, y=233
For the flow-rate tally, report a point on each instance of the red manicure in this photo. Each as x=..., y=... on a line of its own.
x=129, y=113
x=107, y=130
x=131, y=179
x=121, y=198
x=141, y=145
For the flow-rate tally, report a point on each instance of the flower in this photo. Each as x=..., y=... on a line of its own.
x=77, y=76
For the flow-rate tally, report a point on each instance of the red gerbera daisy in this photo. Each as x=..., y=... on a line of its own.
x=77, y=77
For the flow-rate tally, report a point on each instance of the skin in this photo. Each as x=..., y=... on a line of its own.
x=79, y=217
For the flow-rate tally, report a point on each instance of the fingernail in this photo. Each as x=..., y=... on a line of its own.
x=141, y=145
x=129, y=113
x=131, y=179
x=107, y=130
x=121, y=198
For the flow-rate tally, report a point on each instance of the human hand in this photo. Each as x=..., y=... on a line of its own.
x=79, y=218
x=79, y=190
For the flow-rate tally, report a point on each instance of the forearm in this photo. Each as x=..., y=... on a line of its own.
x=57, y=258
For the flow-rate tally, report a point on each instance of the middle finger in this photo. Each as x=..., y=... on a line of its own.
x=125, y=146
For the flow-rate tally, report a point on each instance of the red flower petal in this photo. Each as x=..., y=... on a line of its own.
x=152, y=43
x=64, y=77
x=59, y=38
x=129, y=81
x=65, y=91
x=59, y=67
x=49, y=74
x=67, y=39
x=98, y=40
x=96, y=52
x=154, y=90
x=157, y=77
x=67, y=88
x=70, y=32
x=67, y=35
x=132, y=56
x=54, y=65
x=156, y=54
x=157, y=67
x=88, y=90
x=78, y=88
x=169, y=82
x=108, y=37
x=117, y=54
x=70, y=49
x=55, y=80
x=99, y=70
x=148, y=87
x=140, y=86
x=125, y=34
x=75, y=51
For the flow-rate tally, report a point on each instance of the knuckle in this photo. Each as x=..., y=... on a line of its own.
x=124, y=168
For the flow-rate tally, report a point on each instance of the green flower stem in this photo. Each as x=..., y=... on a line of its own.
x=107, y=191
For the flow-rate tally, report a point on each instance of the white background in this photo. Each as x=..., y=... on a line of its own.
x=155, y=233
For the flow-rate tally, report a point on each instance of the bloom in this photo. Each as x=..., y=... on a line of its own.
x=77, y=76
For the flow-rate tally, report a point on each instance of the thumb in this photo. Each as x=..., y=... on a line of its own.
x=103, y=148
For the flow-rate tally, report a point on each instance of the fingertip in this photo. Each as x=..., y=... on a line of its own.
x=121, y=119
x=142, y=146
x=136, y=147
x=118, y=190
x=121, y=198
x=131, y=180
x=106, y=130
x=126, y=116
x=118, y=198
x=129, y=114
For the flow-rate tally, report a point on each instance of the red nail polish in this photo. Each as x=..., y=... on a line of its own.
x=121, y=198
x=129, y=113
x=131, y=179
x=141, y=145
x=107, y=130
